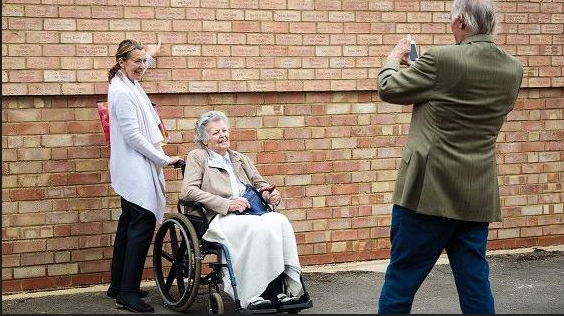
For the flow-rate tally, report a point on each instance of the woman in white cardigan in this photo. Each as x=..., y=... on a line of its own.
x=136, y=171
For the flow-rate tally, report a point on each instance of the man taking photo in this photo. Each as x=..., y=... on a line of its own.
x=446, y=190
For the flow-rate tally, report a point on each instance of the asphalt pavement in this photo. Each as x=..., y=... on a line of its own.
x=530, y=281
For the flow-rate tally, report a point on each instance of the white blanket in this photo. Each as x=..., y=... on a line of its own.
x=261, y=248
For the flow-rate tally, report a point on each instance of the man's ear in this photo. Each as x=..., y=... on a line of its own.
x=462, y=23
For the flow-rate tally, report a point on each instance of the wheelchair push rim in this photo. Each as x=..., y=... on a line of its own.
x=177, y=262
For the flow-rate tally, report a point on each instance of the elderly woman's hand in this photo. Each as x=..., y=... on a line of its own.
x=238, y=205
x=275, y=197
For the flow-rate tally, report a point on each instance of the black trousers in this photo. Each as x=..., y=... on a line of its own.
x=134, y=234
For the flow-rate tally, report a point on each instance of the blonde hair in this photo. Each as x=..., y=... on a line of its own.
x=124, y=52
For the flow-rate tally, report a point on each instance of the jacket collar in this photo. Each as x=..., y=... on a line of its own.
x=478, y=38
x=235, y=159
x=237, y=163
x=239, y=167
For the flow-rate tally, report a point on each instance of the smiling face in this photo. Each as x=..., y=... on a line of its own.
x=218, y=137
x=135, y=66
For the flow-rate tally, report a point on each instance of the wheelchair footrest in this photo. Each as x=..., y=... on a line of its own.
x=256, y=311
x=297, y=306
x=279, y=309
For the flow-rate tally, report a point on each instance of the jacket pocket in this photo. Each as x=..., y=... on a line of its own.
x=403, y=168
x=406, y=154
x=411, y=175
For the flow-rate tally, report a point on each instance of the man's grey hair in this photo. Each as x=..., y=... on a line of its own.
x=200, y=134
x=479, y=15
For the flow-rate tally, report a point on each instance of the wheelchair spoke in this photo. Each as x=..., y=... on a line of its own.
x=179, y=267
x=180, y=281
x=185, y=267
x=178, y=274
x=180, y=251
x=167, y=256
x=169, y=279
x=173, y=241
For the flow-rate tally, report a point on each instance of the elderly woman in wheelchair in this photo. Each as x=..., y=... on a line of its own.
x=259, y=244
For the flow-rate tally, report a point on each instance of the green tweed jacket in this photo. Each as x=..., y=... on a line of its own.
x=461, y=95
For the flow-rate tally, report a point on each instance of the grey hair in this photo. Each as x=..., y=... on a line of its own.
x=479, y=15
x=200, y=134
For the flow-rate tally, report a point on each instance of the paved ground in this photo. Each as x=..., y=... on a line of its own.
x=530, y=282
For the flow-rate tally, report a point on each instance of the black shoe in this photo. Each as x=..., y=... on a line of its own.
x=137, y=306
x=260, y=303
x=114, y=293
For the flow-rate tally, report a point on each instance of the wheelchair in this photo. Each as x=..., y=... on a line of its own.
x=178, y=254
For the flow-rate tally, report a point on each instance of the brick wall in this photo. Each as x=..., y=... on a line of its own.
x=333, y=153
x=66, y=46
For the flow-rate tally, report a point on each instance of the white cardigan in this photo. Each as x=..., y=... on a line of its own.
x=136, y=156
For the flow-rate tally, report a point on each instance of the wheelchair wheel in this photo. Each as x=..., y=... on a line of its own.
x=216, y=304
x=176, y=262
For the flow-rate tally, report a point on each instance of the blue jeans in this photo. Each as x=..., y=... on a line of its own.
x=417, y=242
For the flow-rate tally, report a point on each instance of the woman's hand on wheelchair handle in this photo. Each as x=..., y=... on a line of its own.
x=174, y=160
x=238, y=205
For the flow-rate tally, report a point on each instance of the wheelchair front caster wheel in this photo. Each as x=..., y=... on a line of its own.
x=216, y=304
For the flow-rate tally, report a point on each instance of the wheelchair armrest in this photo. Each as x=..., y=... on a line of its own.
x=195, y=206
x=190, y=204
x=196, y=214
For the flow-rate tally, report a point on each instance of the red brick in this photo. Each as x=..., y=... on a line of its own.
x=74, y=12
x=24, y=23
x=27, y=194
x=25, y=76
x=94, y=266
x=26, y=246
x=9, y=286
x=38, y=283
x=62, y=243
x=88, y=279
x=94, y=241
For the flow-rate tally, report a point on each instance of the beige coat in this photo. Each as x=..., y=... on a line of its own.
x=210, y=185
x=461, y=96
